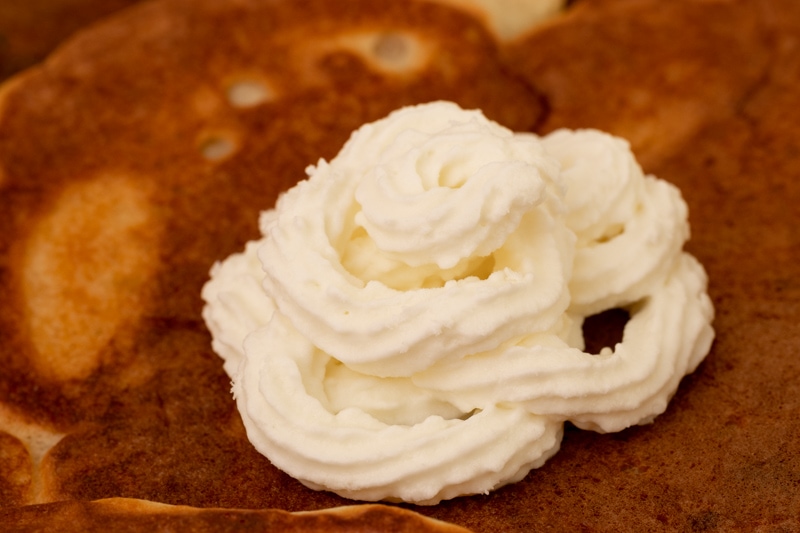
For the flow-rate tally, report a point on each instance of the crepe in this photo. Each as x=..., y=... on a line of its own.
x=30, y=30
x=143, y=149
x=123, y=514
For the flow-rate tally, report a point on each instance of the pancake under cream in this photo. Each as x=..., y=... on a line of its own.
x=142, y=150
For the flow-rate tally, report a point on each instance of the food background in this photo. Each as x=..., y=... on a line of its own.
x=707, y=92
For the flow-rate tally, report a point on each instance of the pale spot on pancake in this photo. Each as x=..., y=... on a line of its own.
x=33, y=443
x=388, y=52
x=249, y=92
x=86, y=268
x=509, y=19
x=392, y=53
x=391, y=48
x=218, y=146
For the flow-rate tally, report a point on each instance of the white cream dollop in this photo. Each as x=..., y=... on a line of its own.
x=409, y=326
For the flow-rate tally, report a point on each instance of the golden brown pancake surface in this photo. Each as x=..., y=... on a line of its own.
x=30, y=30
x=123, y=514
x=143, y=150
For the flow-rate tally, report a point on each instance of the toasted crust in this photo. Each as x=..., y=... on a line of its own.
x=124, y=514
x=144, y=148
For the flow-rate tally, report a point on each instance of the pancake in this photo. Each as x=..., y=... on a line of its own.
x=143, y=149
x=30, y=30
x=124, y=514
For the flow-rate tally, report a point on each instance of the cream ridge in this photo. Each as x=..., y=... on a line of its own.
x=408, y=328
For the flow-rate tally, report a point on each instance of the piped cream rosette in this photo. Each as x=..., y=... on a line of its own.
x=409, y=326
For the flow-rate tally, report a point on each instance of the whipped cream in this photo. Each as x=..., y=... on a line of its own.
x=409, y=326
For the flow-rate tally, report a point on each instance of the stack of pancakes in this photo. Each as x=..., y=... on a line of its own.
x=142, y=150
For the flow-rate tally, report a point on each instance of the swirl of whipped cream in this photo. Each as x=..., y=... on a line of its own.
x=474, y=256
x=630, y=228
x=409, y=326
